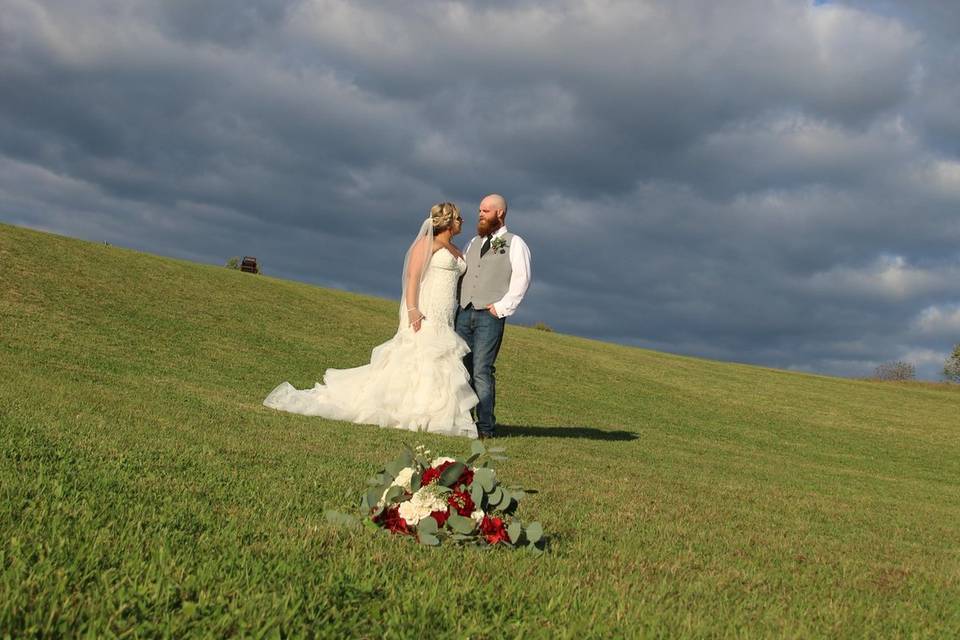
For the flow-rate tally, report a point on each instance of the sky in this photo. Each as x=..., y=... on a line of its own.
x=774, y=182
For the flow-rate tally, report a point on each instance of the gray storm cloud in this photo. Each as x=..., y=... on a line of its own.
x=762, y=181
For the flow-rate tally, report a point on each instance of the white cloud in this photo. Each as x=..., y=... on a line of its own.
x=888, y=278
x=939, y=320
x=939, y=177
x=924, y=358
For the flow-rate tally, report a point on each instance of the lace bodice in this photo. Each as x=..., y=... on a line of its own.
x=438, y=291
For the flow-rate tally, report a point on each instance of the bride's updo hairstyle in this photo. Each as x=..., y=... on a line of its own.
x=442, y=215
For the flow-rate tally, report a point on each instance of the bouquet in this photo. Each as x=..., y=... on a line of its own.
x=446, y=499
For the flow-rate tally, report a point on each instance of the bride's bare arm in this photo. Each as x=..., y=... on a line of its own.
x=418, y=259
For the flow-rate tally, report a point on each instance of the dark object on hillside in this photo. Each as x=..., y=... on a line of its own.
x=897, y=370
x=249, y=264
x=542, y=326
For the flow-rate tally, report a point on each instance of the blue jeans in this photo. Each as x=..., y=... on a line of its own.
x=483, y=333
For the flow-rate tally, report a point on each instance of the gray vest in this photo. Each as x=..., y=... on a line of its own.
x=488, y=278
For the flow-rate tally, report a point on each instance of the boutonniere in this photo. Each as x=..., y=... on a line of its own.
x=498, y=245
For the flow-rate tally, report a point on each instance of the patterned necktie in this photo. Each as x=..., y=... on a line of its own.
x=485, y=246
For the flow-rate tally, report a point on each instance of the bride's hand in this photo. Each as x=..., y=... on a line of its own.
x=416, y=318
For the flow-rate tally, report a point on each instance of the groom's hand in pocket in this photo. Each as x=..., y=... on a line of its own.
x=493, y=311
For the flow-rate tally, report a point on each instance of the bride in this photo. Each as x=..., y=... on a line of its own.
x=416, y=380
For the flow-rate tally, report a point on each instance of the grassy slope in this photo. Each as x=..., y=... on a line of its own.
x=143, y=487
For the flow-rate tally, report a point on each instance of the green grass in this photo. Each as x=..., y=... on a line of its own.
x=144, y=491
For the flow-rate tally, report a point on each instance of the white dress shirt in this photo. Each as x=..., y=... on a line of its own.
x=519, y=276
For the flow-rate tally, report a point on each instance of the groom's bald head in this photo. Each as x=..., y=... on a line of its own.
x=493, y=211
x=496, y=202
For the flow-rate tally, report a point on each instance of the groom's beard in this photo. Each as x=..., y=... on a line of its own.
x=486, y=227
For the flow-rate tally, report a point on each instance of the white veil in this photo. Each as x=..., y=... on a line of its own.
x=414, y=269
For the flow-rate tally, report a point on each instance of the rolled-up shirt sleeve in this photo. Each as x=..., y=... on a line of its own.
x=519, y=278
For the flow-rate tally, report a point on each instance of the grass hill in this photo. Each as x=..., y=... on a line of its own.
x=145, y=491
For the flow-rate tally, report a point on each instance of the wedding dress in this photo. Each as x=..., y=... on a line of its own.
x=415, y=381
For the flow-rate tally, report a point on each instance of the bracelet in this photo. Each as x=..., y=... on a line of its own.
x=413, y=309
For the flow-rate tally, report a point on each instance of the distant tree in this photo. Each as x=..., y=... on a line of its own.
x=233, y=263
x=895, y=370
x=951, y=367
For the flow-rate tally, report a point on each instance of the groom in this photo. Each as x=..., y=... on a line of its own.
x=497, y=277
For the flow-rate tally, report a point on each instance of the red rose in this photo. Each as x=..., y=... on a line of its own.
x=466, y=478
x=430, y=475
x=390, y=520
x=440, y=517
x=462, y=502
x=494, y=530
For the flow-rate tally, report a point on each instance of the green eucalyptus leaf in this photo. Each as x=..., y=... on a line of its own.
x=476, y=447
x=415, y=482
x=476, y=492
x=451, y=474
x=373, y=496
x=428, y=539
x=460, y=537
x=485, y=477
x=394, y=468
x=393, y=493
x=473, y=458
x=513, y=495
x=338, y=519
x=496, y=450
x=515, y=530
x=498, y=457
x=461, y=524
x=534, y=532
x=427, y=525
x=495, y=497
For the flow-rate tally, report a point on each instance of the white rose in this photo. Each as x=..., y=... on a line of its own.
x=413, y=512
x=403, y=478
x=422, y=504
x=431, y=498
x=439, y=461
x=477, y=516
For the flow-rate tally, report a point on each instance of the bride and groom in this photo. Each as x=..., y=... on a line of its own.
x=438, y=368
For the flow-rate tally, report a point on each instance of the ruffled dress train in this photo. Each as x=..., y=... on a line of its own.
x=414, y=381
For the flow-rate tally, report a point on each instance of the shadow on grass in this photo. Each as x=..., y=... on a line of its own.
x=563, y=432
